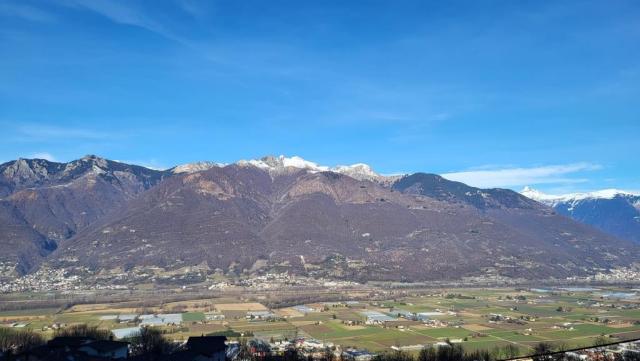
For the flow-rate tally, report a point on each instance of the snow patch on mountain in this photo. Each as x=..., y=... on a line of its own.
x=552, y=200
x=281, y=164
x=613, y=211
x=195, y=167
x=537, y=195
x=358, y=171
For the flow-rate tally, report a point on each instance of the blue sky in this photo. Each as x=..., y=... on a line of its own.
x=495, y=93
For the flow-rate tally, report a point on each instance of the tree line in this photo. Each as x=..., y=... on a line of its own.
x=150, y=344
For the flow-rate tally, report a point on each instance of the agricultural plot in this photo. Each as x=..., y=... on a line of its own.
x=478, y=318
x=253, y=306
x=193, y=316
x=30, y=313
x=445, y=332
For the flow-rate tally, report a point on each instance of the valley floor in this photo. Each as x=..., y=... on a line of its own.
x=372, y=318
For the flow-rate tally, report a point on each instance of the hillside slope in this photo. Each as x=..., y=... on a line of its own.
x=44, y=203
x=242, y=217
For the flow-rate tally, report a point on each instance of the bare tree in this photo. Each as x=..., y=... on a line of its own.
x=84, y=330
x=14, y=342
x=541, y=350
x=151, y=344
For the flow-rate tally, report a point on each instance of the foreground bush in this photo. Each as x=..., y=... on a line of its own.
x=14, y=342
x=151, y=343
x=83, y=331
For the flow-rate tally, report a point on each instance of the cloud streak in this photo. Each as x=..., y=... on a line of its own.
x=126, y=15
x=512, y=177
x=43, y=155
x=26, y=13
x=43, y=132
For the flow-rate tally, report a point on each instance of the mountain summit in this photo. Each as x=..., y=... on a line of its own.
x=573, y=197
x=611, y=210
x=278, y=165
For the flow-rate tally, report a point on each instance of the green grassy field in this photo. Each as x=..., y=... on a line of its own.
x=32, y=312
x=193, y=316
x=446, y=332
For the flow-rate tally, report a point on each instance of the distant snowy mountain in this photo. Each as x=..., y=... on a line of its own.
x=282, y=164
x=611, y=210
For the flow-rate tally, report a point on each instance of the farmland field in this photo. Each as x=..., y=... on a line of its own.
x=192, y=316
x=477, y=318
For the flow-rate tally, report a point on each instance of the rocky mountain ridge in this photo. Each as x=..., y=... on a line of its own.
x=44, y=203
x=286, y=214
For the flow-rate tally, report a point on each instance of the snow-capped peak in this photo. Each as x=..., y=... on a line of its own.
x=358, y=171
x=280, y=164
x=194, y=167
x=570, y=197
x=536, y=194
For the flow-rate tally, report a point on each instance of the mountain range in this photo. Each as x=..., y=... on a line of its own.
x=285, y=214
x=613, y=211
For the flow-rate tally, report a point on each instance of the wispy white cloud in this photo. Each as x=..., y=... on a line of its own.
x=42, y=132
x=43, y=155
x=120, y=13
x=414, y=131
x=513, y=177
x=197, y=9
